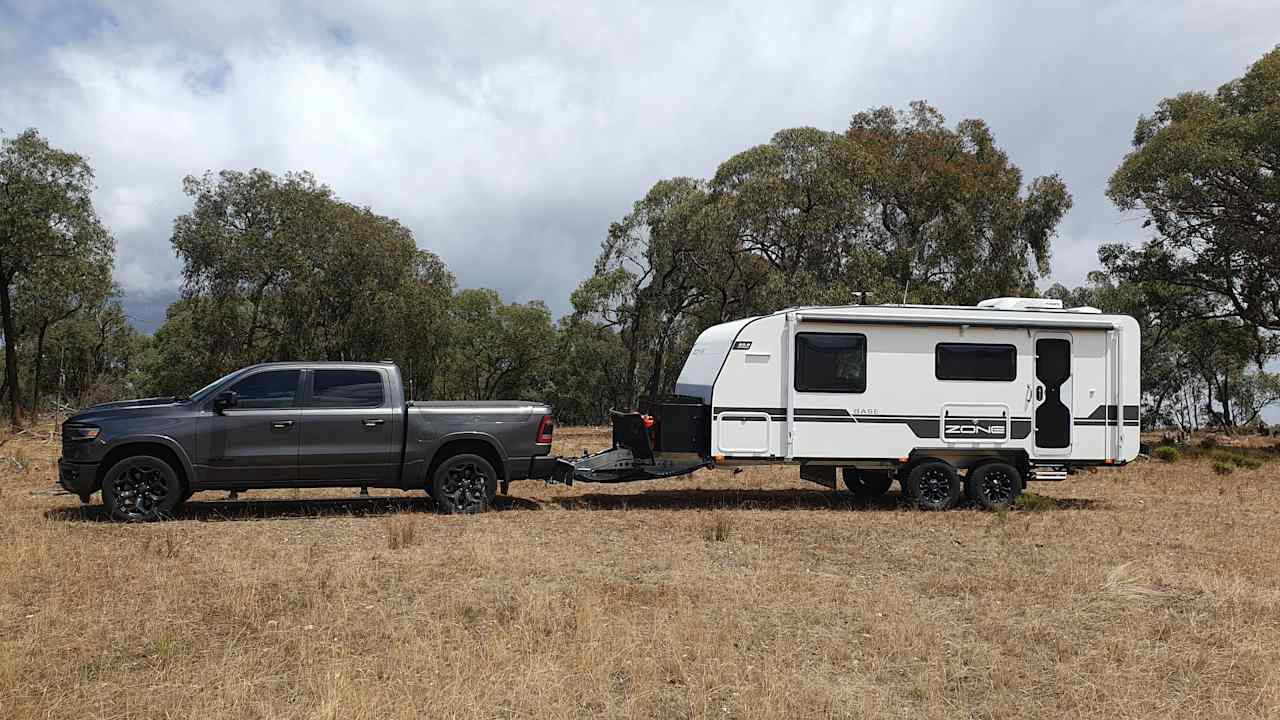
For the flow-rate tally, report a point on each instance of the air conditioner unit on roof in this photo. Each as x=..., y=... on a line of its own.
x=1016, y=303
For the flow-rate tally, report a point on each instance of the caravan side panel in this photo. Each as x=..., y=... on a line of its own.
x=905, y=406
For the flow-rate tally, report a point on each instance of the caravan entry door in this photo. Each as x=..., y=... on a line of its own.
x=1052, y=389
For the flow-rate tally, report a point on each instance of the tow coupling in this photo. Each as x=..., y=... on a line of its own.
x=631, y=457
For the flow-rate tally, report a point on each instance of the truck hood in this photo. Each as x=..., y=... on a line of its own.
x=125, y=408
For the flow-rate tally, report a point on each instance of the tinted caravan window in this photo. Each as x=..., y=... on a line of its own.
x=347, y=388
x=831, y=362
x=973, y=361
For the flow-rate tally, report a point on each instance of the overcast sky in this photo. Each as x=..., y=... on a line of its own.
x=508, y=137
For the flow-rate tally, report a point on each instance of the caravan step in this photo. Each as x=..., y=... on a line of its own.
x=1048, y=473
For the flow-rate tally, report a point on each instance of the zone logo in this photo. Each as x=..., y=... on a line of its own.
x=975, y=429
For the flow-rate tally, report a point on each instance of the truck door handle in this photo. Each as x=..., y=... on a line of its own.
x=374, y=422
x=282, y=425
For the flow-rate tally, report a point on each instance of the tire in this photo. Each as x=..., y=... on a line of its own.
x=866, y=483
x=141, y=488
x=993, y=485
x=934, y=485
x=464, y=483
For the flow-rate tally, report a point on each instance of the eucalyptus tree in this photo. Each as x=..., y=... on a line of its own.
x=1204, y=173
x=52, y=292
x=46, y=218
x=278, y=267
x=946, y=217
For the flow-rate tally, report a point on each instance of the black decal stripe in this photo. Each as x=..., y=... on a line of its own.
x=1112, y=412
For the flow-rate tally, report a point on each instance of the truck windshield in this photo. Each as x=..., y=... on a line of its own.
x=203, y=392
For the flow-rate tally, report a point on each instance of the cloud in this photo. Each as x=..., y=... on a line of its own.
x=508, y=137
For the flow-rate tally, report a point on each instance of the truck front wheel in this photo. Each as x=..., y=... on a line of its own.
x=141, y=488
x=464, y=483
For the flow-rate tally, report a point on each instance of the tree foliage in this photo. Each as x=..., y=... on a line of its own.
x=899, y=207
x=55, y=254
x=1204, y=173
x=496, y=350
x=279, y=268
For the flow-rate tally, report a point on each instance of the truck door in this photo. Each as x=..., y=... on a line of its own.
x=350, y=429
x=254, y=444
x=1053, y=412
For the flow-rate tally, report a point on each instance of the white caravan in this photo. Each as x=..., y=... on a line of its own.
x=1011, y=390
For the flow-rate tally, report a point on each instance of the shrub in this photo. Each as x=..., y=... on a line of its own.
x=1223, y=468
x=1209, y=442
x=1166, y=453
x=1237, y=459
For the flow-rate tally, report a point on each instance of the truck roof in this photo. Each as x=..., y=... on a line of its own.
x=303, y=364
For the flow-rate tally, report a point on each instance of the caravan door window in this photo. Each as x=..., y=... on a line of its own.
x=831, y=362
x=975, y=361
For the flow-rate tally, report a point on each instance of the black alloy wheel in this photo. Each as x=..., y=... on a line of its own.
x=464, y=484
x=141, y=489
x=994, y=485
x=934, y=485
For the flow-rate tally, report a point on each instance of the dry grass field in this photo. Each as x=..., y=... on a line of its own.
x=1147, y=592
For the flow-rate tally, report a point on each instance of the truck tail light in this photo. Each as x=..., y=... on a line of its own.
x=545, y=428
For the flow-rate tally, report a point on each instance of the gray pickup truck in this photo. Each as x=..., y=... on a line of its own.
x=288, y=425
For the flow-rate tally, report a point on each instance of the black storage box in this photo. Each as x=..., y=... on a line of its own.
x=684, y=425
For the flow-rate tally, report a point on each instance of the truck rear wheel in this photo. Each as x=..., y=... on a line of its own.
x=464, y=483
x=141, y=488
x=866, y=483
x=993, y=485
x=934, y=485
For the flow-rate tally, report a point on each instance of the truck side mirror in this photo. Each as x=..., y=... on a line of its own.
x=225, y=399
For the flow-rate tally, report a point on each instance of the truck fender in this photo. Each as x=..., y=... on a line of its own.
x=433, y=460
x=180, y=452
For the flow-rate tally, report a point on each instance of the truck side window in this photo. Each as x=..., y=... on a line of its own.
x=346, y=388
x=831, y=362
x=271, y=389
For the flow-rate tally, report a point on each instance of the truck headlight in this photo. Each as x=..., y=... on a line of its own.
x=80, y=432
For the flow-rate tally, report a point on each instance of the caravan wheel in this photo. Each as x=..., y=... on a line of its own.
x=934, y=485
x=993, y=485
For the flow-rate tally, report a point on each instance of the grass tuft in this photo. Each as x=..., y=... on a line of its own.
x=1222, y=467
x=720, y=528
x=402, y=531
x=1035, y=503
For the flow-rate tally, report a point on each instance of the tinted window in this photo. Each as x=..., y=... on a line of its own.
x=347, y=388
x=271, y=389
x=831, y=362
x=972, y=361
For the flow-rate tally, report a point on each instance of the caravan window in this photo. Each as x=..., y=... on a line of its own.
x=831, y=362
x=973, y=361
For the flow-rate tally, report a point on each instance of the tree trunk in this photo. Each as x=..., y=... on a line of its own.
x=10, y=354
x=35, y=378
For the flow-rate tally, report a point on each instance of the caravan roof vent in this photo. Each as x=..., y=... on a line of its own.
x=1015, y=303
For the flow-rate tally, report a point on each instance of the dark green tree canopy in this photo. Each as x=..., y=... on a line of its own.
x=277, y=267
x=899, y=205
x=1204, y=173
x=49, y=230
